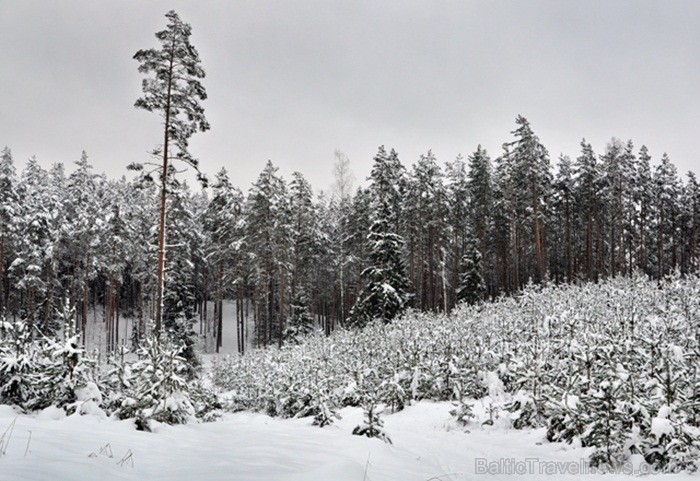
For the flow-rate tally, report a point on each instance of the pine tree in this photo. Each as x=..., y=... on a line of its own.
x=505, y=237
x=643, y=198
x=172, y=89
x=34, y=239
x=666, y=191
x=457, y=187
x=268, y=238
x=140, y=209
x=112, y=261
x=304, y=233
x=480, y=201
x=585, y=178
x=221, y=222
x=358, y=230
x=564, y=206
x=532, y=175
x=426, y=212
x=385, y=294
x=81, y=236
x=179, y=299
x=691, y=222
x=611, y=195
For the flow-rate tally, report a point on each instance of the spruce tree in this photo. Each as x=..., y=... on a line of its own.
x=385, y=295
x=300, y=322
x=472, y=286
x=8, y=222
x=34, y=241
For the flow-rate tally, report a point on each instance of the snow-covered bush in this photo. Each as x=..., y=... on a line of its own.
x=594, y=363
x=206, y=402
x=38, y=372
x=672, y=444
x=65, y=376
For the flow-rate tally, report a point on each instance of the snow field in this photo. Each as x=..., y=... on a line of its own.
x=254, y=447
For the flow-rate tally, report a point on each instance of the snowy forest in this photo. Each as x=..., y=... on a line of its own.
x=471, y=305
x=472, y=229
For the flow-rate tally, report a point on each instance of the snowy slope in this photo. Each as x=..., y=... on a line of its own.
x=255, y=447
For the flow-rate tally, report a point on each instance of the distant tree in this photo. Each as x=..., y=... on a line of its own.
x=533, y=177
x=179, y=300
x=425, y=214
x=385, y=295
x=34, y=242
x=457, y=192
x=480, y=201
x=80, y=240
x=666, y=191
x=505, y=232
x=585, y=172
x=643, y=198
x=471, y=286
x=268, y=240
x=358, y=230
x=172, y=88
x=303, y=230
x=342, y=198
x=8, y=221
x=221, y=223
x=564, y=205
x=301, y=321
x=690, y=206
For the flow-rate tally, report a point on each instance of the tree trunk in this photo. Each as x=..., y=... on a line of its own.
x=163, y=190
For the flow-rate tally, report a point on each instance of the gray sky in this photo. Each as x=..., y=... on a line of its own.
x=292, y=81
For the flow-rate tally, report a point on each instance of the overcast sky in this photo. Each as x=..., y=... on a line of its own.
x=292, y=81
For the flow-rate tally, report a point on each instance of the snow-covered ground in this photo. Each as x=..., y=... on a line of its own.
x=247, y=446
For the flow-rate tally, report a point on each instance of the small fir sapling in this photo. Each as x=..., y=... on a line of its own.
x=463, y=411
x=65, y=376
x=160, y=391
x=17, y=363
x=325, y=407
x=372, y=425
x=393, y=394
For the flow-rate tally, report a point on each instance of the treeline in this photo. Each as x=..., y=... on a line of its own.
x=290, y=258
